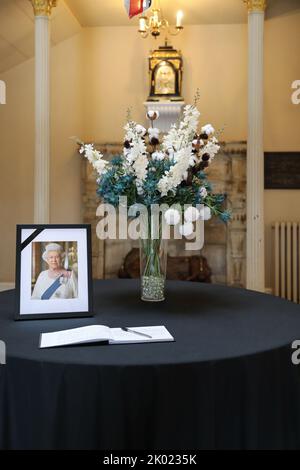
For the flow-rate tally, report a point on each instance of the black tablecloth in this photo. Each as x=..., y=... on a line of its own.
x=226, y=382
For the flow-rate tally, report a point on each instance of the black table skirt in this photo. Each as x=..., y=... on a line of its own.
x=226, y=383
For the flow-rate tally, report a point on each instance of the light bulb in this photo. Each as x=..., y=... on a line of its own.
x=179, y=17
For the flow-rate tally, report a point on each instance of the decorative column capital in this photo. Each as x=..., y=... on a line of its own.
x=256, y=5
x=43, y=7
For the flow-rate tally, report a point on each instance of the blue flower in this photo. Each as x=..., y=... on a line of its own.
x=201, y=175
x=220, y=198
x=225, y=216
x=117, y=160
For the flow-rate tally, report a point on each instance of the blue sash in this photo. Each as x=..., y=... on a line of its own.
x=50, y=291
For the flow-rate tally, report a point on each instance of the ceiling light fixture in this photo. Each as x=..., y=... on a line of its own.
x=155, y=23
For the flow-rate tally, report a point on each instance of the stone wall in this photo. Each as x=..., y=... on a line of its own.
x=225, y=245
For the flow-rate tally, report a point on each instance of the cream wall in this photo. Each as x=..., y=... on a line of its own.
x=215, y=61
x=16, y=161
x=17, y=146
x=282, y=67
x=99, y=72
x=68, y=81
x=282, y=118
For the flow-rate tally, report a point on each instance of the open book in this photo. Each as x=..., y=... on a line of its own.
x=100, y=333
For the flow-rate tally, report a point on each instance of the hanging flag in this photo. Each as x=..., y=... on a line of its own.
x=134, y=7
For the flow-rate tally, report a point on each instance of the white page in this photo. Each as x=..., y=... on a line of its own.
x=85, y=334
x=157, y=333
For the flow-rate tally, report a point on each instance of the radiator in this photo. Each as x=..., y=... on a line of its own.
x=287, y=260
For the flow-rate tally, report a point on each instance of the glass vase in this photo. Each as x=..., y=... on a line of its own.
x=153, y=263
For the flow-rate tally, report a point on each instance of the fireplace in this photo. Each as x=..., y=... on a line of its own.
x=224, y=246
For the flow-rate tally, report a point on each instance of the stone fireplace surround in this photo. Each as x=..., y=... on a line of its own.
x=224, y=246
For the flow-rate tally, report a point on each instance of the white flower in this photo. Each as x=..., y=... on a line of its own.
x=88, y=147
x=137, y=149
x=153, y=132
x=170, y=153
x=94, y=157
x=191, y=214
x=152, y=115
x=140, y=129
x=129, y=133
x=134, y=131
x=158, y=156
x=203, y=192
x=208, y=129
x=139, y=187
x=172, y=216
x=193, y=159
x=90, y=153
x=207, y=213
x=140, y=167
x=175, y=175
x=136, y=159
x=129, y=158
x=100, y=165
x=186, y=229
x=191, y=117
x=211, y=148
x=182, y=136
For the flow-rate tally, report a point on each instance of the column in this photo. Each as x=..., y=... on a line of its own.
x=255, y=150
x=42, y=12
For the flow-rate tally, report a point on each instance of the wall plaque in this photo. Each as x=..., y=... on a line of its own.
x=282, y=170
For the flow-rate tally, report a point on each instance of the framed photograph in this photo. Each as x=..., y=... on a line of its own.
x=53, y=271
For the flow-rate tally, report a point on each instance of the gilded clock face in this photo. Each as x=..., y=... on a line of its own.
x=165, y=74
x=164, y=79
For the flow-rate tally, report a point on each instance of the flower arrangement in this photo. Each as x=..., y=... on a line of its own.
x=153, y=171
x=170, y=172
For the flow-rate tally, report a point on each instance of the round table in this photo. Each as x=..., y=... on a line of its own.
x=227, y=382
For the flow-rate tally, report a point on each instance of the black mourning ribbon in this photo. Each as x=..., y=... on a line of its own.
x=31, y=237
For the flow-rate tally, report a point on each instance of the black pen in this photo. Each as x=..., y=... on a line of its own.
x=129, y=330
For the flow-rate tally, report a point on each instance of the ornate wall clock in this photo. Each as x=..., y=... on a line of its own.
x=165, y=72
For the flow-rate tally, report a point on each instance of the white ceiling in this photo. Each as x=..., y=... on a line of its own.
x=113, y=13
x=17, y=19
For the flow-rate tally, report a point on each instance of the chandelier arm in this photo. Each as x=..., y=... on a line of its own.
x=176, y=31
x=156, y=22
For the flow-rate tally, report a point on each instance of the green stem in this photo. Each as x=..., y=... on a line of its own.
x=151, y=251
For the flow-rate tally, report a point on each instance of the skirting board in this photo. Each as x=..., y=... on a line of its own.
x=6, y=286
